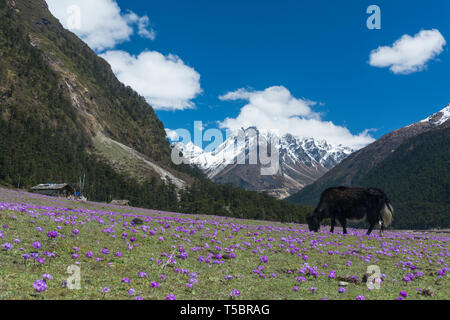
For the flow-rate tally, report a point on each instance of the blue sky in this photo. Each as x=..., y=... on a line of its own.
x=317, y=50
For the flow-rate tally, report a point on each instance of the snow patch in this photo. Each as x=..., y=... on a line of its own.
x=440, y=117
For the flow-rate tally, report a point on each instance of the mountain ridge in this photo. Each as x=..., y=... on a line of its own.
x=301, y=160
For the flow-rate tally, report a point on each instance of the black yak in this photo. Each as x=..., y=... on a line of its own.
x=355, y=204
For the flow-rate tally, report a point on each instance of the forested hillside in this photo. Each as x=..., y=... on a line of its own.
x=416, y=177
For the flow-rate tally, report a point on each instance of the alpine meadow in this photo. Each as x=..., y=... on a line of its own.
x=228, y=155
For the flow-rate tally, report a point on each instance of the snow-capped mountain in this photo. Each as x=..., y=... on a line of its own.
x=440, y=117
x=300, y=161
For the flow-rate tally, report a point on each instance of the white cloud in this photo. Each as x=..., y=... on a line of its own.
x=172, y=134
x=276, y=109
x=409, y=54
x=143, y=24
x=165, y=81
x=239, y=94
x=101, y=24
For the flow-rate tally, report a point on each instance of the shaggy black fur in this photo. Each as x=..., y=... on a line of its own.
x=358, y=204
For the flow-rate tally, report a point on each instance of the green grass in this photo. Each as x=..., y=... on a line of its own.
x=17, y=277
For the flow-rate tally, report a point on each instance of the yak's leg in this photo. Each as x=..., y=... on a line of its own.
x=344, y=225
x=381, y=228
x=372, y=219
x=333, y=224
x=369, y=231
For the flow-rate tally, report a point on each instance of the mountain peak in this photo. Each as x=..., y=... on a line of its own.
x=302, y=160
x=440, y=117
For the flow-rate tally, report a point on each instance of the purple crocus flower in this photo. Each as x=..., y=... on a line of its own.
x=171, y=297
x=40, y=286
x=49, y=254
x=8, y=246
x=342, y=290
x=52, y=234
x=183, y=255
x=36, y=245
x=332, y=274
x=235, y=293
x=47, y=276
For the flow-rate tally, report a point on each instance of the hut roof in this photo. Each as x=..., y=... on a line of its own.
x=51, y=186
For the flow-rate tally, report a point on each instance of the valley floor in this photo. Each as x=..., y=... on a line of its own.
x=183, y=256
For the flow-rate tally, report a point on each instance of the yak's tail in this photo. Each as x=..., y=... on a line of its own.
x=387, y=213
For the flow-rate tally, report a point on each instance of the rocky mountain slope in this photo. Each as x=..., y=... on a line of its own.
x=103, y=105
x=301, y=161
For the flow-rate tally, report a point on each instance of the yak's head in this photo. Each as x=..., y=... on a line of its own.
x=313, y=222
